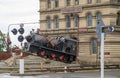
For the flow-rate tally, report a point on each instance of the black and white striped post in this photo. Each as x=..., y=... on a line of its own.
x=20, y=39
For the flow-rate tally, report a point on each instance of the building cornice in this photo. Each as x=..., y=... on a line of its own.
x=83, y=7
x=74, y=30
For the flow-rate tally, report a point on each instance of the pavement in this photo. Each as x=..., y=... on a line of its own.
x=95, y=74
x=87, y=74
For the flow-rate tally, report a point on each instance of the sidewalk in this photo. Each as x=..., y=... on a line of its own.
x=99, y=77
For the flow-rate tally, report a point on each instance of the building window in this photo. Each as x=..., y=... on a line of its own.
x=89, y=19
x=68, y=2
x=98, y=16
x=94, y=49
x=98, y=1
x=76, y=2
x=56, y=20
x=48, y=23
x=56, y=3
x=114, y=1
x=118, y=19
x=68, y=22
x=76, y=20
x=49, y=3
x=89, y=1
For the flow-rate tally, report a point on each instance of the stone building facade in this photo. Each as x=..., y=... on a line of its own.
x=79, y=18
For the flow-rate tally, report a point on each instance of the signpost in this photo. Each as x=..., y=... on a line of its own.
x=101, y=31
x=20, y=39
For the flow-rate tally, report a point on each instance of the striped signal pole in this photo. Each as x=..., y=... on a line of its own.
x=21, y=67
x=20, y=39
x=21, y=70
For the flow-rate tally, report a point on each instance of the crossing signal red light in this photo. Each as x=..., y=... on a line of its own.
x=21, y=30
x=14, y=31
x=20, y=38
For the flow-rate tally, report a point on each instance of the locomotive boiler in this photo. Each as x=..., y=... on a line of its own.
x=57, y=48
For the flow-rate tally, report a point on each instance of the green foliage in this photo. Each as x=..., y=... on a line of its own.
x=3, y=43
x=119, y=73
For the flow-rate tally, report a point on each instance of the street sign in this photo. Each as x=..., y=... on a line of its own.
x=107, y=29
x=99, y=29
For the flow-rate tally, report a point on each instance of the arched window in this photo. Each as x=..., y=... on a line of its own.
x=98, y=1
x=94, y=47
x=56, y=21
x=89, y=1
x=68, y=2
x=48, y=22
x=76, y=2
x=89, y=19
x=118, y=19
x=68, y=21
x=76, y=21
x=49, y=3
x=56, y=3
x=98, y=16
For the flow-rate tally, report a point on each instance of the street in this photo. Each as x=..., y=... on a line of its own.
x=108, y=74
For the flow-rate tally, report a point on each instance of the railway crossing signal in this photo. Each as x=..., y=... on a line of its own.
x=21, y=31
x=20, y=39
x=14, y=31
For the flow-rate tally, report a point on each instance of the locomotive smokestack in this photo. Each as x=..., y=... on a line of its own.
x=48, y=39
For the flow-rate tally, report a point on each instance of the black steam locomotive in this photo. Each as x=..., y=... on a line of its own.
x=58, y=48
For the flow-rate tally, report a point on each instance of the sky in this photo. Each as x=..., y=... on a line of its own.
x=18, y=11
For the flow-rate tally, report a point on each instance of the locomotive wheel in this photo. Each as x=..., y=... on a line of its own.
x=53, y=56
x=42, y=53
x=38, y=53
x=71, y=59
x=66, y=59
x=57, y=58
x=61, y=58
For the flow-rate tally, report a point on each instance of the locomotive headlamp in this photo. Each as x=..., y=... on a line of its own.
x=28, y=38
